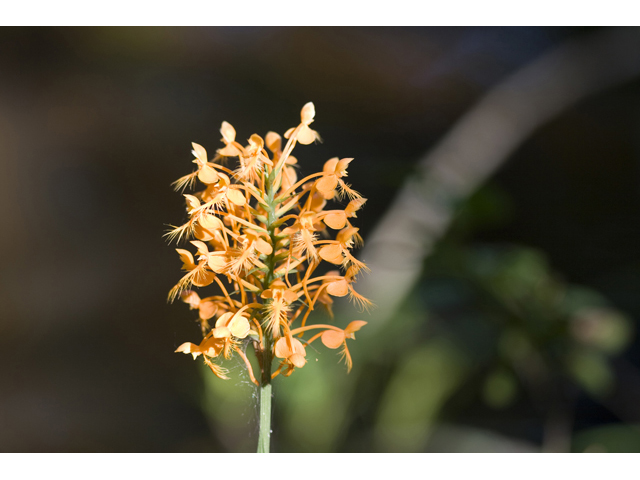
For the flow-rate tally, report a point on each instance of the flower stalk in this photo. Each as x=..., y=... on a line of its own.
x=264, y=435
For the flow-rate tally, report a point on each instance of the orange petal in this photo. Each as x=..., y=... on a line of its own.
x=318, y=202
x=330, y=165
x=336, y=220
x=214, y=347
x=229, y=151
x=354, y=205
x=235, y=196
x=332, y=254
x=203, y=278
x=343, y=164
x=192, y=202
x=199, y=152
x=306, y=136
x=289, y=177
x=187, y=258
x=307, y=219
x=210, y=222
x=307, y=113
x=318, y=227
x=273, y=141
x=298, y=348
x=327, y=184
x=228, y=132
x=263, y=247
x=256, y=141
x=207, y=309
x=355, y=326
x=201, y=246
x=298, y=360
x=224, y=179
x=189, y=347
x=289, y=230
x=224, y=319
x=190, y=297
x=217, y=263
x=329, y=195
x=345, y=235
x=239, y=326
x=290, y=296
x=221, y=332
x=202, y=233
x=208, y=175
x=338, y=289
x=332, y=338
x=282, y=349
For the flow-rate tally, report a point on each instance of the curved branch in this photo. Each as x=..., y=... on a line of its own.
x=478, y=144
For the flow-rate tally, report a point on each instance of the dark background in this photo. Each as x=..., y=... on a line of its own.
x=95, y=123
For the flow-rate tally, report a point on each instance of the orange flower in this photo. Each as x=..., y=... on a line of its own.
x=207, y=307
x=253, y=159
x=304, y=234
x=206, y=173
x=337, y=252
x=334, y=339
x=250, y=245
x=210, y=347
x=232, y=148
x=224, y=192
x=337, y=219
x=232, y=324
x=323, y=296
x=197, y=275
x=293, y=353
x=277, y=310
x=333, y=172
x=302, y=132
x=209, y=229
x=342, y=286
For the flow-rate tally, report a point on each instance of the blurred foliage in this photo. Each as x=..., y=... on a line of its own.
x=487, y=324
x=610, y=438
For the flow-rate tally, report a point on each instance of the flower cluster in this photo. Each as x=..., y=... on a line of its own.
x=260, y=234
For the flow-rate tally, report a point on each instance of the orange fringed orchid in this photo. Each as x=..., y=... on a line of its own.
x=260, y=234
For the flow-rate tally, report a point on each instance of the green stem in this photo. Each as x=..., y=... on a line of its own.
x=264, y=436
x=265, y=419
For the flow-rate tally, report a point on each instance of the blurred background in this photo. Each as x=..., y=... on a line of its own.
x=502, y=168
